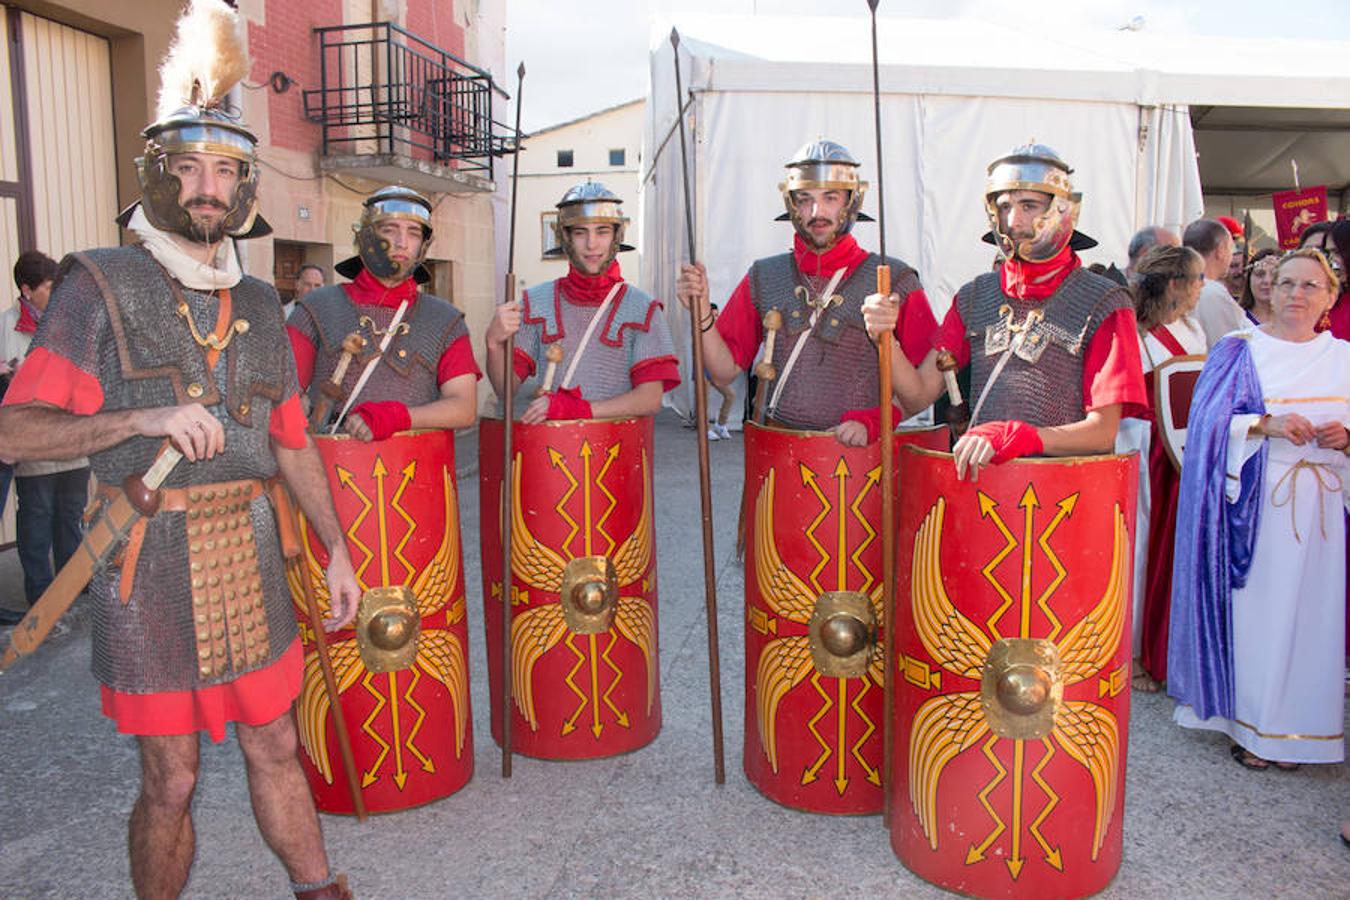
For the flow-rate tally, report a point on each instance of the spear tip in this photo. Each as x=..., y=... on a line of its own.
x=872, y=4
x=675, y=35
x=520, y=71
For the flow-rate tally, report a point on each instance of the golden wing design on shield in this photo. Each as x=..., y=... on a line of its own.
x=779, y=587
x=783, y=665
x=441, y=655
x=433, y=585
x=635, y=621
x=943, y=727
x=316, y=577
x=634, y=555
x=537, y=565
x=1089, y=734
x=1092, y=643
x=312, y=713
x=955, y=642
x=876, y=666
x=533, y=633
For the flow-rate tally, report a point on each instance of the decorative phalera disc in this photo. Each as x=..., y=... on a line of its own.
x=843, y=629
x=387, y=625
x=590, y=594
x=1021, y=687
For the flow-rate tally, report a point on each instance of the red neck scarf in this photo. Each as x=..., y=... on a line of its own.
x=590, y=290
x=366, y=290
x=28, y=317
x=1036, y=281
x=845, y=254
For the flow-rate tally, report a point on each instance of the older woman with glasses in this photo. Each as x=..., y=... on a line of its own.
x=1258, y=590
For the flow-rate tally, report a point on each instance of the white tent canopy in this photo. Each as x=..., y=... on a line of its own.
x=955, y=95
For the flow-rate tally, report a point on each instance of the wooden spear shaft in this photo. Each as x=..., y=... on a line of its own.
x=701, y=430
x=508, y=422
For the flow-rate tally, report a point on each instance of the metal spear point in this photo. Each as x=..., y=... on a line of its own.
x=701, y=430
x=508, y=422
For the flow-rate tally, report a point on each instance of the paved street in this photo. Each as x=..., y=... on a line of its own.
x=649, y=824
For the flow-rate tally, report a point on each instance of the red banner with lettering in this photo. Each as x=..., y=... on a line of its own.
x=1296, y=210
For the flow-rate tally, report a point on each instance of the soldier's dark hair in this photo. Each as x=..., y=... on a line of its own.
x=33, y=268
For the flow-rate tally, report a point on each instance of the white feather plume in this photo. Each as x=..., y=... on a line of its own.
x=208, y=57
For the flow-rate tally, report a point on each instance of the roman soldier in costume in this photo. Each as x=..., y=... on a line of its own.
x=582, y=590
x=166, y=342
x=1052, y=348
x=394, y=368
x=1013, y=623
x=814, y=637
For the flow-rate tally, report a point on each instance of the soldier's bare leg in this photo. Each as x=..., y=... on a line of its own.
x=282, y=803
x=161, y=838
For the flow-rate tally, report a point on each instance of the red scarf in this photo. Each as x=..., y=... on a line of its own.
x=1036, y=281
x=845, y=254
x=367, y=290
x=590, y=290
x=28, y=317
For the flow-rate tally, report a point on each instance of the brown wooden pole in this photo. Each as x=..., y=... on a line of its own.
x=508, y=459
x=701, y=429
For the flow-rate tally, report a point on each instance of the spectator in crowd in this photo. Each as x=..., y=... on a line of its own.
x=1238, y=262
x=1217, y=312
x=1166, y=286
x=51, y=495
x=1333, y=239
x=1144, y=240
x=309, y=278
x=1257, y=285
x=1256, y=647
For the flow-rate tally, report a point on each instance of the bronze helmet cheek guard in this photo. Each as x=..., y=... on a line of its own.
x=372, y=250
x=160, y=190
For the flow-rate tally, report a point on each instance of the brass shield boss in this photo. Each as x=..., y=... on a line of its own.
x=387, y=626
x=590, y=594
x=843, y=631
x=1021, y=688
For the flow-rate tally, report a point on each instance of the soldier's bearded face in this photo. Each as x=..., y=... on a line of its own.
x=820, y=212
x=591, y=245
x=209, y=183
x=1018, y=212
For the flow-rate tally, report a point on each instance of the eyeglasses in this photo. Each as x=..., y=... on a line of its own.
x=1289, y=286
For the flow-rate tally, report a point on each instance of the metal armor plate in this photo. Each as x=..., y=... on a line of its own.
x=813, y=717
x=1013, y=670
x=407, y=712
x=583, y=586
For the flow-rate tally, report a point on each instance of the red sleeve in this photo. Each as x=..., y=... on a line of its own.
x=302, y=348
x=46, y=377
x=287, y=426
x=457, y=360
x=738, y=324
x=523, y=363
x=664, y=369
x=952, y=336
x=1112, y=372
x=916, y=326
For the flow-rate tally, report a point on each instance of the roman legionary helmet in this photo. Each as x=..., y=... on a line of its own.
x=588, y=203
x=823, y=165
x=206, y=60
x=372, y=251
x=1035, y=167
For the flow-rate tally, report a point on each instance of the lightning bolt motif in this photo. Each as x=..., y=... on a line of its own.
x=368, y=555
x=371, y=775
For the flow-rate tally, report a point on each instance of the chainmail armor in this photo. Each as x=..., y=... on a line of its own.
x=1049, y=390
x=143, y=355
x=408, y=370
x=836, y=370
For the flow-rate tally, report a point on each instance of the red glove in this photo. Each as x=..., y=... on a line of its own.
x=871, y=419
x=1010, y=439
x=566, y=403
x=383, y=418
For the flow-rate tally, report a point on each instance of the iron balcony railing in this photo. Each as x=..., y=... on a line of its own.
x=387, y=91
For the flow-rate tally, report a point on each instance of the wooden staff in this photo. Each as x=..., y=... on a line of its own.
x=331, y=390
x=701, y=429
x=766, y=372
x=553, y=355
x=887, y=447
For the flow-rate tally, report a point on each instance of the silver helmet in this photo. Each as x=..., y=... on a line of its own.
x=1035, y=167
x=823, y=165
x=372, y=251
x=588, y=203
x=193, y=119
